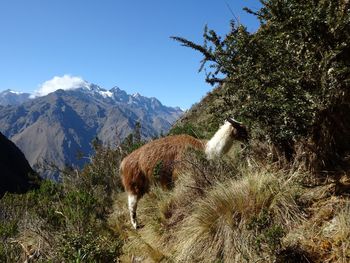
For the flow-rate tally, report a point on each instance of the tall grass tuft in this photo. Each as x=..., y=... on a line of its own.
x=240, y=220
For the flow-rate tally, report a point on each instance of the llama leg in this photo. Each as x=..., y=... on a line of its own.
x=132, y=204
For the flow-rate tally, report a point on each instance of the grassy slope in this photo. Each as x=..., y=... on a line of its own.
x=241, y=208
x=238, y=210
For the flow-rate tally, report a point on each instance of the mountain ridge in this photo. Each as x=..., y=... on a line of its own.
x=10, y=97
x=61, y=125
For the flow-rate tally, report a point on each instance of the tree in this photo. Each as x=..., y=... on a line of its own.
x=290, y=80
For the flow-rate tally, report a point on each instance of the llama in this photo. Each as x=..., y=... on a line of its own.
x=137, y=169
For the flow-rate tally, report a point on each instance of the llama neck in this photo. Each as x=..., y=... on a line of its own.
x=220, y=143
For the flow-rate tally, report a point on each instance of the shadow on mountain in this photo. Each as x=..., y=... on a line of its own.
x=16, y=175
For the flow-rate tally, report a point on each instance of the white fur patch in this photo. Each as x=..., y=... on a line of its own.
x=221, y=141
x=132, y=204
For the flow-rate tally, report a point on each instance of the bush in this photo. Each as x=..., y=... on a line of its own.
x=65, y=221
x=188, y=129
x=289, y=80
x=10, y=252
x=90, y=247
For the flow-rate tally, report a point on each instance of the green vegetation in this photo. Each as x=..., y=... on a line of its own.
x=267, y=202
x=64, y=221
x=289, y=81
x=132, y=141
x=189, y=129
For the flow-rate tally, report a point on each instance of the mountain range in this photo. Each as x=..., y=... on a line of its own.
x=10, y=97
x=58, y=127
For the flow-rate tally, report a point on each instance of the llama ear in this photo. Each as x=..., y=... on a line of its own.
x=241, y=130
x=234, y=122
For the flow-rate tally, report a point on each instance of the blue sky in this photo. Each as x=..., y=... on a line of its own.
x=113, y=43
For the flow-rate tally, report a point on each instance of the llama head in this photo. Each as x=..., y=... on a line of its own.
x=239, y=132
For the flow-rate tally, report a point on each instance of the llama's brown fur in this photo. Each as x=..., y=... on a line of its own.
x=138, y=168
x=158, y=160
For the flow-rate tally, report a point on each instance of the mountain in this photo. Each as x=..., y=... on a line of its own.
x=16, y=175
x=10, y=97
x=57, y=127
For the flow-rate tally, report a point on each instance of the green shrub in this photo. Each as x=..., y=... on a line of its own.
x=90, y=247
x=79, y=210
x=289, y=81
x=8, y=229
x=10, y=252
x=188, y=129
x=268, y=234
x=65, y=221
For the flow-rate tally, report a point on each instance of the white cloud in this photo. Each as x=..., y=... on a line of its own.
x=65, y=82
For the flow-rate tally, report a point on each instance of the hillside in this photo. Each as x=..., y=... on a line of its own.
x=282, y=196
x=59, y=127
x=203, y=113
x=16, y=174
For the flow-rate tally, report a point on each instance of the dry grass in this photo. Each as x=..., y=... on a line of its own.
x=229, y=210
x=341, y=234
x=326, y=235
x=219, y=211
x=141, y=245
x=239, y=220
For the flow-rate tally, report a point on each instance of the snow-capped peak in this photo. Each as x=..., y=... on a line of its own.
x=15, y=92
x=136, y=95
x=9, y=91
x=106, y=93
x=66, y=82
x=11, y=97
